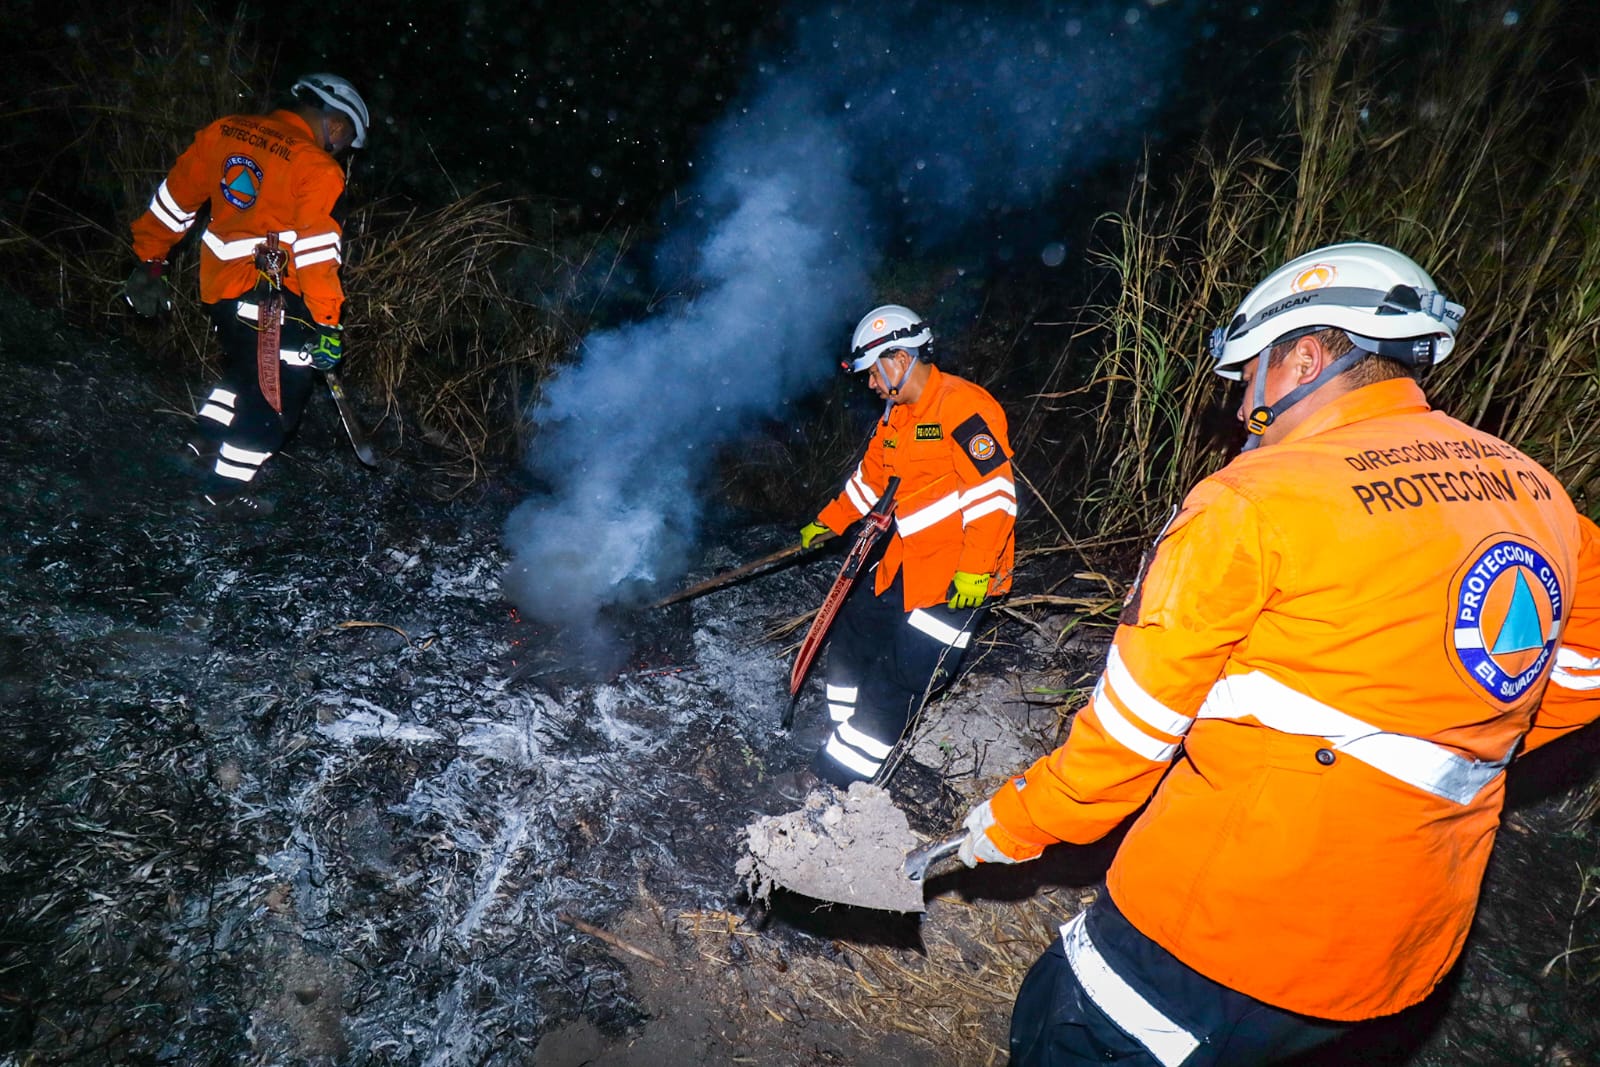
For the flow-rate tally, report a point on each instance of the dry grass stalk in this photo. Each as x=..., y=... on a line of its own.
x=955, y=997
x=1441, y=159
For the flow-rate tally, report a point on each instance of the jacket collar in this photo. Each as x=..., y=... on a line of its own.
x=1394, y=396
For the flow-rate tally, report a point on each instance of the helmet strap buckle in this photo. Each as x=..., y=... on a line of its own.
x=1258, y=421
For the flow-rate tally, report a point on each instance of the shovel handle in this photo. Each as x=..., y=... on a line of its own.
x=919, y=860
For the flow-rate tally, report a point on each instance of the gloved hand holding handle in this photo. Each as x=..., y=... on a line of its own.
x=328, y=349
x=147, y=291
x=810, y=532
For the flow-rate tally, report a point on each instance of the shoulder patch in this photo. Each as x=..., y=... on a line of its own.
x=1506, y=604
x=930, y=431
x=980, y=444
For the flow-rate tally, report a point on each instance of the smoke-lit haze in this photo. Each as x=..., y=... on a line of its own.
x=874, y=130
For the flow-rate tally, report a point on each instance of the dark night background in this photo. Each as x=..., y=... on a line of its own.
x=345, y=703
x=601, y=108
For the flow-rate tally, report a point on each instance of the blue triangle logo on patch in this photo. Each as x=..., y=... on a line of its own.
x=1522, y=629
x=244, y=185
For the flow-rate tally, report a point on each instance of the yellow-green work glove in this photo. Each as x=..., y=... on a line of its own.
x=969, y=590
x=810, y=532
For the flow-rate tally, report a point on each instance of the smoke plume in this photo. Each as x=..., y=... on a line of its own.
x=912, y=124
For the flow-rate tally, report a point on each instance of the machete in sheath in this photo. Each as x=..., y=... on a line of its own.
x=271, y=258
x=873, y=524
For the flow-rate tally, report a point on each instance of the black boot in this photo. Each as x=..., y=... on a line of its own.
x=239, y=506
x=199, y=451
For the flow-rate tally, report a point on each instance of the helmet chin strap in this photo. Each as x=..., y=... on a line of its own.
x=1263, y=415
x=894, y=387
x=327, y=138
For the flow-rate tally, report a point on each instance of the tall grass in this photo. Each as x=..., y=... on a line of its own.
x=1448, y=159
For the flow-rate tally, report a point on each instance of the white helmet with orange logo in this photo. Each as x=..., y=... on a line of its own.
x=884, y=329
x=1381, y=298
x=337, y=93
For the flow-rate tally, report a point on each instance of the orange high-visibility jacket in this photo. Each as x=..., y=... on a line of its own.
x=956, y=507
x=1338, y=645
x=262, y=174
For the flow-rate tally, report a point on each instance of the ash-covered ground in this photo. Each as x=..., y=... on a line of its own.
x=309, y=791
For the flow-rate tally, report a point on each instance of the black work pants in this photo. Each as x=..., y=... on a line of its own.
x=883, y=661
x=236, y=422
x=1106, y=993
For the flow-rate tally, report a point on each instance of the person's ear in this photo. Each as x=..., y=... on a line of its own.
x=1310, y=358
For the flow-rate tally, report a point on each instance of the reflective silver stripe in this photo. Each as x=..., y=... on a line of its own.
x=217, y=414
x=1567, y=680
x=316, y=240
x=1566, y=657
x=241, y=464
x=998, y=503
x=294, y=357
x=871, y=746
x=997, y=494
x=862, y=495
x=301, y=262
x=855, y=498
x=938, y=629
x=998, y=484
x=923, y=518
x=1124, y=732
x=841, y=753
x=1145, y=707
x=1419, y=763
x=1568, y=661
x=1168, y=1042
x=841, y=702
x=219, y=406
x=240, y=247
x=869, y=494
x=244, y=455
x=169, y=211
x=234, y=471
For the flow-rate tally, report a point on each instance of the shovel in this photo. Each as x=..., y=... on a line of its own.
x=919, y=860
x=849, y=848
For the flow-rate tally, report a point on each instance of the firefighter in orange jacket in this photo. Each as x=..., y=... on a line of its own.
x=1340, y=641
x=949, y=553
x=261, y=175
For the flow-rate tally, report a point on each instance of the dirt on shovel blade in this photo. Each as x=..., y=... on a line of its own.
x=845, y=847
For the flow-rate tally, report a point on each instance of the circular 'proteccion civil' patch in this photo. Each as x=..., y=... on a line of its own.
x=981, y=447
x=1507, y=605
x=241, y=181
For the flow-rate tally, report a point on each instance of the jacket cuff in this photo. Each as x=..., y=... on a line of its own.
x=1014, y=832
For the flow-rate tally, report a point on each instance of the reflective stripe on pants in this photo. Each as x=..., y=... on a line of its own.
x=1105, y=992
x=882, y=662
x=235, y=416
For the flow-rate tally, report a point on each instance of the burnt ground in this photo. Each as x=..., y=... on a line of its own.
x=309, y=791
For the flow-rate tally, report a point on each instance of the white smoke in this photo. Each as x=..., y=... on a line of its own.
x=912, y=123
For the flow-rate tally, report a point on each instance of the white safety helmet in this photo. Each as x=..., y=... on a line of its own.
x=1381, y=298
x=340, y=95
x=884, y=329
